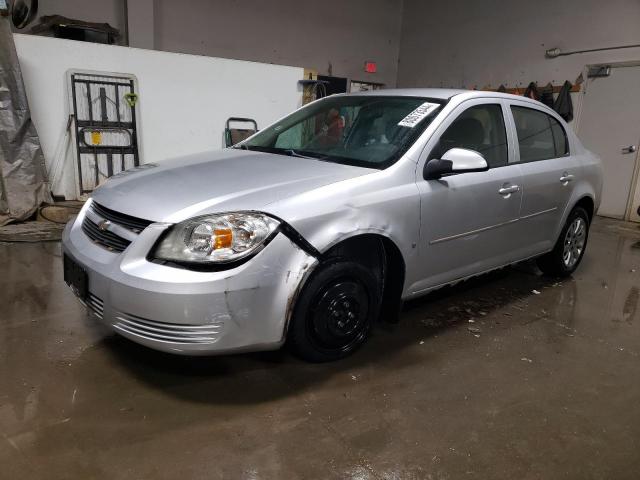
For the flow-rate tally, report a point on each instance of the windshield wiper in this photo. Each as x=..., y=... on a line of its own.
x=279, y=151
x=292, y=153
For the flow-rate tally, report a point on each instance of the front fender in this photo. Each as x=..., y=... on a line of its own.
x=385, y=203
x=397, y=221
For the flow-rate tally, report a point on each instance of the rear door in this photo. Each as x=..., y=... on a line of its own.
x=549, y=173
x=468, y=220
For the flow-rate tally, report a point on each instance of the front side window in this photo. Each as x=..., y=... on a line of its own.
x=540, y=136
x=480, y=128
x=362, y=130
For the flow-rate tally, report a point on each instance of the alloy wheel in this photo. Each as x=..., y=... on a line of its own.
x=574, y=241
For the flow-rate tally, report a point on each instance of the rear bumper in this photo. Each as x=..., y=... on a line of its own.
x=187, y=312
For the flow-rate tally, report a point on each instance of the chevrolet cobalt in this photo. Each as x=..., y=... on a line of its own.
x=314, y=228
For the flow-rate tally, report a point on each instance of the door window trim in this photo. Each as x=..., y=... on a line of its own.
x=516, y=144
x=453, y=116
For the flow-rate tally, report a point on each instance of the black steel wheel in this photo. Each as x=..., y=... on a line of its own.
x=335, y=311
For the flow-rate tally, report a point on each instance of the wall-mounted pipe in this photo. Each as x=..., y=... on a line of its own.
x=125, y=6
x=556, y=52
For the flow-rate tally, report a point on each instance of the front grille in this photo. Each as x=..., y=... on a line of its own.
x=134, y=224
x=168, y=332
x=96, y=305
x=105, y=238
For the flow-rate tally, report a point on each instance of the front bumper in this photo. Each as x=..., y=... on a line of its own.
x=188, y=312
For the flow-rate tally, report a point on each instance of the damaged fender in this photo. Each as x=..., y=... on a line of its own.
x=372, y=204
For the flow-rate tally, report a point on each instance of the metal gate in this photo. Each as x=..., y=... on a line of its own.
x=106, y=137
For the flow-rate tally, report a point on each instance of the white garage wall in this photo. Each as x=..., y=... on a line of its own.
x=184, y=100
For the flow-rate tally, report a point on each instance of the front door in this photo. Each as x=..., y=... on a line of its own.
x=468, y=220
x=610, y=127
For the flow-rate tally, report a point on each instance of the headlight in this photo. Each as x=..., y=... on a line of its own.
x=219, y=238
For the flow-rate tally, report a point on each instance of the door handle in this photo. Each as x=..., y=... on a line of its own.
x=566, y=178
x=506, y=191
x=629, y=149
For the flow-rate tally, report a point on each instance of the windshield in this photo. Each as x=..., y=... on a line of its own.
x=361, y=130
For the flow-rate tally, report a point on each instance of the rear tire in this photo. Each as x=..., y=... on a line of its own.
x=335, y=311
x=568, y=251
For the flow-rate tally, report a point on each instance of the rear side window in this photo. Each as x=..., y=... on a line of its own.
x=559, y=138
x=540, y=136
x=480, y=128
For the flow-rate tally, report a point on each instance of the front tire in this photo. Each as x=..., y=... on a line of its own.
x=335, y=311
x=568, y=251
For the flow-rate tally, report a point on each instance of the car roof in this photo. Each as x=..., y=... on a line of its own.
x=447, y=94
x=438, y=93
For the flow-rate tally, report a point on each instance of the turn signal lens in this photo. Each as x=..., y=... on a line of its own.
x=222, y=238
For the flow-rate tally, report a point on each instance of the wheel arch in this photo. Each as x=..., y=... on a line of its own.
x=582, y=197
x=365, y=248
x=588, y=204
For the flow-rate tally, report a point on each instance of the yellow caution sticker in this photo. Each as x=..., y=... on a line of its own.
x=96, y=138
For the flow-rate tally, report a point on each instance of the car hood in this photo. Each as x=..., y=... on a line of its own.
x=228, y=180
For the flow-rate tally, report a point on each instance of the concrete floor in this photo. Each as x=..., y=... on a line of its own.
x=538, y=386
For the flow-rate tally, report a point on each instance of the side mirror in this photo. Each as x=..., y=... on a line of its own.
x=456, y=160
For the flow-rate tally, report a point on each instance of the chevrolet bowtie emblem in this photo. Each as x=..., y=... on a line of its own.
x=104, y=225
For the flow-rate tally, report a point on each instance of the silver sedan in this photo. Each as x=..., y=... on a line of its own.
x=323, y=223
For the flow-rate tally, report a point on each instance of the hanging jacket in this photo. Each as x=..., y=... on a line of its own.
x=532, y=91
x=563, y=105
x=546, y=95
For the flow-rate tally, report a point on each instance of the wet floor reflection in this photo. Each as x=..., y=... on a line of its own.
x=510, y=375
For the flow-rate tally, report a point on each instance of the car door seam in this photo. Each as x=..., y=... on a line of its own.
x=541, y=212
x=490, y=227
x=472, y=232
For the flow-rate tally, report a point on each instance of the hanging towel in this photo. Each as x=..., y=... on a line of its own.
x=563, y=105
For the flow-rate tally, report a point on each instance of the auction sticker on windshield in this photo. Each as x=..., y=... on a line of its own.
x=418, y=114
